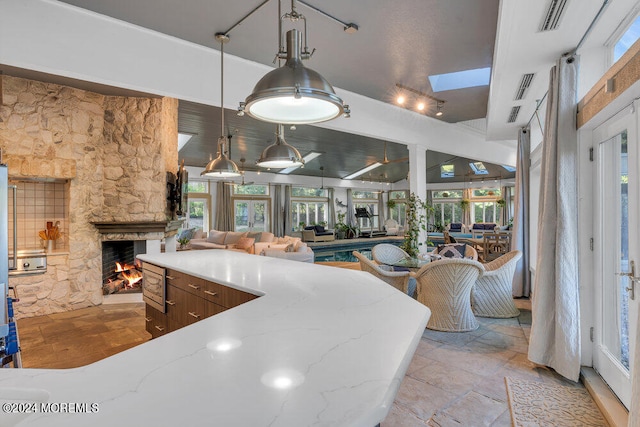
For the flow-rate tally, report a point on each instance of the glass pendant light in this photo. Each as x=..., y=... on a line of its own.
x=222, y=166
x=280, y=154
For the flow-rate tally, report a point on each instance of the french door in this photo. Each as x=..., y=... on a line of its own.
x=617, y=251
x=251, y=215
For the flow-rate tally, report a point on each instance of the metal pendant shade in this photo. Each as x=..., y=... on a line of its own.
x=294, y=94
x=280, y=154
x=222, y=166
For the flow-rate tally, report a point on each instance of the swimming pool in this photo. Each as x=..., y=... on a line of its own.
x=342, y=255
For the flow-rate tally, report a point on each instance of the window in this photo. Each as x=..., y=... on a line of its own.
x=627, y=40
x=447, y=212
x=199, y=204
x=399, y=211
x=309, y=206
x=460, y=79
x=446, y=194
x=368, y=200
x=251, y=190
x=447, y=171
x=479, y=168
x=486, y=212
x=487, y=192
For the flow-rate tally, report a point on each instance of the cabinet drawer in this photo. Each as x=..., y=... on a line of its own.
x=155, y=322
x=193, y=285
x=225, y=296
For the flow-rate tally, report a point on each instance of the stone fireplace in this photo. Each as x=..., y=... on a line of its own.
x=114, y=152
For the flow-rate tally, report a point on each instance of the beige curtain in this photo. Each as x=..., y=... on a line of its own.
x=520, y=233
x=381, y=217
x=278, y=211
x=224, y=207
x=555, y=328
x=288, y=227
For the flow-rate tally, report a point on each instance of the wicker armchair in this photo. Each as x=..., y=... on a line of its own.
x=469, y=252
x=386, y=253
x=398, y=279
x=492, y=294
x=445, y=287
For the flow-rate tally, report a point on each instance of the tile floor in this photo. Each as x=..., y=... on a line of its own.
x=455, y=379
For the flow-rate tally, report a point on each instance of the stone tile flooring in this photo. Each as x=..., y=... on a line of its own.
x=455, y=379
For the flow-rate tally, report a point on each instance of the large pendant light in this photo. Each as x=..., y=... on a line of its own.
x=293, y=94
x=222, y=166
x=280, y=154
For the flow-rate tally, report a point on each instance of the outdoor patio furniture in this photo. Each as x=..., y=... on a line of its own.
x=492, y=294
x=400, y=280
x=494, y=245
x=386, y=253
x=469, y=252
x=445, y=287
x=317, y=233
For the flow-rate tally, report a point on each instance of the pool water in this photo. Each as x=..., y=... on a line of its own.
x=341, y=255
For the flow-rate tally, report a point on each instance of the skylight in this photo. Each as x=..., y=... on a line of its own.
x=509, y=168
x=183, y=138
x=628, y=38
x=460, y=79
x=479, y=168
x=447, y=171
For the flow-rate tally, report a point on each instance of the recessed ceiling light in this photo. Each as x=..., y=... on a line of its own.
x=400, y=100
x=421, y=106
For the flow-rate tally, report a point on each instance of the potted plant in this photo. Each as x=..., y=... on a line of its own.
x=301, y=225
x=341, y=227
x=184, y=242
x=501, y=202
x=391, y=203
x=464, y=204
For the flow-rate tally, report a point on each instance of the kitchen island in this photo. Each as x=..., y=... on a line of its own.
x=320, y=346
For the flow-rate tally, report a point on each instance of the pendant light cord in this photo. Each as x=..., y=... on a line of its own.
x=222, y=87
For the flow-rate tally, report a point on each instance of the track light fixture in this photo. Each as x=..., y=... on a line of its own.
x=413, y=99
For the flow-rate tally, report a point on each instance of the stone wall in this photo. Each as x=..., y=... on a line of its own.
x=113, y=151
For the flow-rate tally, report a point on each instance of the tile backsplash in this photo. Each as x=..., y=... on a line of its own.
x=36, y=204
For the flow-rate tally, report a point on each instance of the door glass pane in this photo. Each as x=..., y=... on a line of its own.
x=197, y=210
x=242, y=216
x=259, y=216
x=615, y=226
x=478, y=212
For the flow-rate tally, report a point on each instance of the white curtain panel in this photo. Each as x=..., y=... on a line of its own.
x=351, y=211
x=331, y=221
x=555, y=329
x=278, y=211
x=520, y=232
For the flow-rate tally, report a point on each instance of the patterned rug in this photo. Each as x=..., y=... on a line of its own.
x=539, y=404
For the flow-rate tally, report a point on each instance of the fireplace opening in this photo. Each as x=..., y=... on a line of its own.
x=121, y=273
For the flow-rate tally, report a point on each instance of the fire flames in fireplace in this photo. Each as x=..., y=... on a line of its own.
x=127, y=279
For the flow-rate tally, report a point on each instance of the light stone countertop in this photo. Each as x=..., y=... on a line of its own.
x=322, y=346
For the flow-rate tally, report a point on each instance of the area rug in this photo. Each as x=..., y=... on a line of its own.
x=538, y=404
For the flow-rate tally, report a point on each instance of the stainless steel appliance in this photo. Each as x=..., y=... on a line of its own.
x=29, y=261
x=153, y=286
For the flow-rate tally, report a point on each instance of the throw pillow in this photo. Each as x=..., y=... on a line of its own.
x=256, y=235
x=301, y=247
x=245, y=243
x=216, y=237
x=452, y=251
x=186, y=234
x=233, y=237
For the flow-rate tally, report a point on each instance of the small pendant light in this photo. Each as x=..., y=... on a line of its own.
x=222, y=166
x=280, y=154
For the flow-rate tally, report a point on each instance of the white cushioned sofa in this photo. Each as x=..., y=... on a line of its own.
x=258, y=243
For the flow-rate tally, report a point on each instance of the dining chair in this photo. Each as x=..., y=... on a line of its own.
x=386, y=253
x=492, y=295
x=445, y=287
x=469, y=252
x=400, y=280
x=494, y=245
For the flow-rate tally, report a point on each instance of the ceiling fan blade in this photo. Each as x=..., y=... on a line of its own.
x=402, y=160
